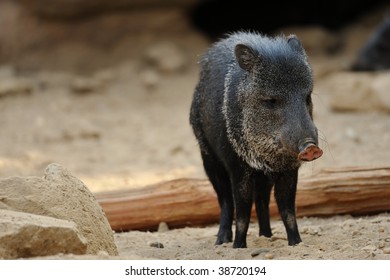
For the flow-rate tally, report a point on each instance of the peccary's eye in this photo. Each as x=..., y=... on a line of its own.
x=270, y=102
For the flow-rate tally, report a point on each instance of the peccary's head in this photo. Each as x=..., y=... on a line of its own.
x=267, y=104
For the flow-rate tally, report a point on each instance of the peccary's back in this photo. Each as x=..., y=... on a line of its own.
x=206, y=115
x=206, y=112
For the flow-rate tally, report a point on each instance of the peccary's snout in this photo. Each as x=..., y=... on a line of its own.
x=309, y=151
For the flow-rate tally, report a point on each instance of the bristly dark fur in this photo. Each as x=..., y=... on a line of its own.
x=250, y=112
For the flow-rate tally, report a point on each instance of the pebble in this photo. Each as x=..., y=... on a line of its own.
x=313, y=230
x=346, y=248
x=351, y=134
x=369, y=248
x=259, y=251
x=276, y=237
x=163, y=227
x=84, y=85
x=386, y=250
x=15, y=86
x=381, y=245
x=165, y=57
x=356, y=233
x=103, y=253
x=156, y=245
x=150, y=78
x=269, y=256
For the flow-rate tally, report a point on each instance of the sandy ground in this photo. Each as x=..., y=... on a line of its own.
x=127, y=126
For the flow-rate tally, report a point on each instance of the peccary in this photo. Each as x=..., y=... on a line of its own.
x=252, y=117
x=375, y=53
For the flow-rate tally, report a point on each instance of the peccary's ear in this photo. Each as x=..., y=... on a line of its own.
x=245, y=56
x=295, y=44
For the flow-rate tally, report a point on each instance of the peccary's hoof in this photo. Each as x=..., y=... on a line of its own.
x=310, y=152
x=224, y=237
x=237, y=245
x=294, y=241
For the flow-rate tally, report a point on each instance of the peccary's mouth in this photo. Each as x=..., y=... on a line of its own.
x=309, y=151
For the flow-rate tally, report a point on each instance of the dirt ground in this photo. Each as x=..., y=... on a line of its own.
x=126, y=126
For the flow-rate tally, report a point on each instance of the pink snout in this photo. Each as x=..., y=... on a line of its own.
x=310, y=152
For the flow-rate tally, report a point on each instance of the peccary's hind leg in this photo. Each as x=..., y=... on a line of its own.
x=219, y=178
x=262, y=192
x=285, y=192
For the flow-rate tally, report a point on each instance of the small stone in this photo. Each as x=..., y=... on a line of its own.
x=369, y=248
x=269, y=256
x=103, y=254
x=259, y=251
x=381, y=245
x=351, y=134
x=150, y=78
x=302, y=244
x=166, y=57
x=355, y=233
x=156, y=245
x=276, y=237
x=15, y=86
x=386, y=250
x=346, y=248
x=163, y=227
x=85, y=85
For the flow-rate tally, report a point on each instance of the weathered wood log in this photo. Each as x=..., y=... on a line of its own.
x=193, y=202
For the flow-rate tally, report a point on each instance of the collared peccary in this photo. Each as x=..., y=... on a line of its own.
x=375, y=53
x=252, y=116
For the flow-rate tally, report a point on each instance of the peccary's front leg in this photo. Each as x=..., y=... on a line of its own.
x=243, y=200
x=262, y=192
x=285, y=192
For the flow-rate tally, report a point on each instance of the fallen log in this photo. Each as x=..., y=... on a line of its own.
x=193, y=202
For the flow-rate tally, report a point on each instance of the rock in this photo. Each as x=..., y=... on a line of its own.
x=166, y=57
x=269, y=256
x=351, y=134
x=312, y=230
x=380, y=87
x=150, y=78
x=156, y=245
x=60, y=195
x=386, y=250
x=163, y=227
x=24, y=235
x=259, y=251
x=85, y=85
x=277, y=237
x=14, y=85
x=369, y=248
x=352, y=91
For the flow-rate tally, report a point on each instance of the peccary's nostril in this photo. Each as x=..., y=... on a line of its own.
x=309, y=151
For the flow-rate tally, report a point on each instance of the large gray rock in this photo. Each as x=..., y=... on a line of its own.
x=24, y=235
x=60, y=195
x=363, y=91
